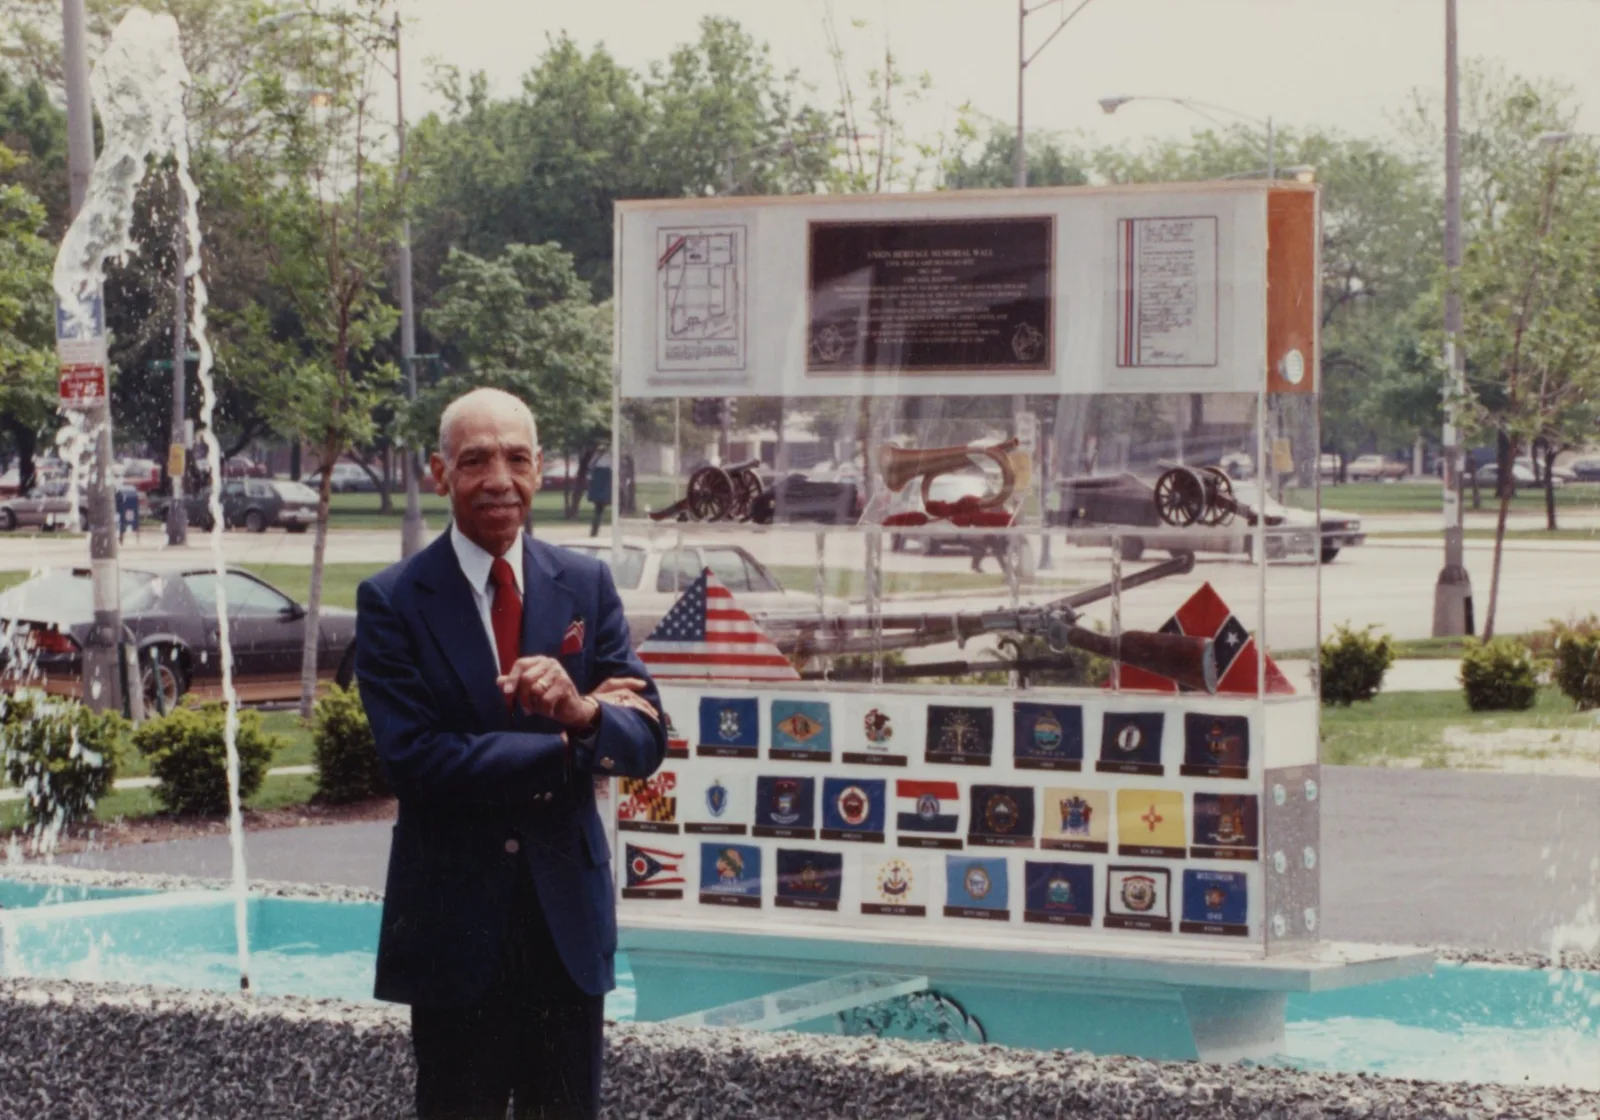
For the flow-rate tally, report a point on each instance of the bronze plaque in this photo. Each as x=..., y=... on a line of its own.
x=968, y=296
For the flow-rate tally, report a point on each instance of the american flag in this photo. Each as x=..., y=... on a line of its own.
x=1205, y=615
x=706, y=636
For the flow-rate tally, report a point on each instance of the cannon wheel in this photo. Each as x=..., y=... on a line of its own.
x=746, y=492
x=1219, y=497
x=1180, y=497
x=710, y=494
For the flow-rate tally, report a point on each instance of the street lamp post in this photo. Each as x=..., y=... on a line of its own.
x=178, y=448
x=1024, y=60
x=1020, y=171
x=1452, y=593
x=413, y=532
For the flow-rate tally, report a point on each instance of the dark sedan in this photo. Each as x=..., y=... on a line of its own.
x=253, y=504
x=170, y=612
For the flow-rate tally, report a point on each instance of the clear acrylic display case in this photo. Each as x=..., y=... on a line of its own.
x=1009, y=504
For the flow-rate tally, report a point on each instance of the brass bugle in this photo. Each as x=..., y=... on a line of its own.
x=899, y=465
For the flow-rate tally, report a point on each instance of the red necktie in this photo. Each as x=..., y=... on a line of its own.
x=505, y=613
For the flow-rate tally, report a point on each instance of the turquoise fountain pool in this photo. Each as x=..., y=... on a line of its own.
x=1465, y=1022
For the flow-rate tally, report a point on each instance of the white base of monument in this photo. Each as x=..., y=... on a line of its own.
x=1214, y=1006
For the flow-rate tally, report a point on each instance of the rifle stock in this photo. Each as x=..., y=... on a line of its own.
x=1189, y=661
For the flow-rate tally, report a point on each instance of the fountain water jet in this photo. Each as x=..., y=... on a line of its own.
x=138, y=84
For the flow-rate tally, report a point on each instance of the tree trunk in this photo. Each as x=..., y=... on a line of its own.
x=319, y=551
x=1550, y=486
x=1506, y=485
x=385, y=482
x=294, y=459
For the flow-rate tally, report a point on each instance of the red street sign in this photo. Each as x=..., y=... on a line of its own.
x=82, y=385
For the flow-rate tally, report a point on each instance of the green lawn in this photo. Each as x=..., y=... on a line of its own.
x=1478, y=534
x=339, y=581
x=1397, y=726
x=275, y=793
x=1416, y=497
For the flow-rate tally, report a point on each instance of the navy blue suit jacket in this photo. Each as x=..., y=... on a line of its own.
x=487, y=794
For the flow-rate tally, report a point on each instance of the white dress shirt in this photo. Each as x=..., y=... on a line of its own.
x=475, y=564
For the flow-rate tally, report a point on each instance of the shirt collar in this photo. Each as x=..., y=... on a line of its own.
x=475, y=561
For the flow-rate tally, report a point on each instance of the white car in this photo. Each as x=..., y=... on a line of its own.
x=651, y=575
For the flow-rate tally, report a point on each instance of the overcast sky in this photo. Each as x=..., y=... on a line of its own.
x=1349, y=64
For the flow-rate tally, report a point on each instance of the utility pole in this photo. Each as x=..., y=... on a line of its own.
x=412, y=530
x=1020, y=178
x=101, y=673
x=1021, y=154
x=1452, y=594
x=178, y=446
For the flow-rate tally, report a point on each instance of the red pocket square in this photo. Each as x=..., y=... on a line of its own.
x=572, y=640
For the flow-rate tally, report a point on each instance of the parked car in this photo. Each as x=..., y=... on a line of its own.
x=348, y=478
x=1124, y=505
x=253, y=504
x=650, y=575
x=1238, y=465
x=238, y=466
x=169, y=609
x=1375, y=468
x=972, y=481
x=1585, y=470
x=144, y=475
x=46, y=506
x=1522, y=477
x=827, y=495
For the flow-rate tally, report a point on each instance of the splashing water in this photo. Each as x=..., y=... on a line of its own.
x=138, y=85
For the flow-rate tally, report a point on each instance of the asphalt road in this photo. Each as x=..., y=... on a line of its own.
x=1431, y=857
x=1388, y=582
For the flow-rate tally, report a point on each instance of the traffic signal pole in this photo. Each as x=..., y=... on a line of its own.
x=102, y=671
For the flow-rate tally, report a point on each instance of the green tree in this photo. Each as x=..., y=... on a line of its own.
x=27, y=321
x=322, y=207
x=525, y=322
x=993, y=164
x=584, y=131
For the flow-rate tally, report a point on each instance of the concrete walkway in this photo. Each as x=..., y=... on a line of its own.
x=1431, y=857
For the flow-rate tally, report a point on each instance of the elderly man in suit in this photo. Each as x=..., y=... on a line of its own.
x=499, y=681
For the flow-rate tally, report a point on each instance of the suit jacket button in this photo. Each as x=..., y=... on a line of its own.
x=606, y=763
x=549, y=797
x=512, y=847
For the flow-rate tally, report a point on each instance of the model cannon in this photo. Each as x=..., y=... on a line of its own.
x=720, y=494
x=1195, y=495
x=1190, y=661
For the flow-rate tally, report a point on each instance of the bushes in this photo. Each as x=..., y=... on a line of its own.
x=188, y=758
x=1353, y=665
x=60, y=754
x=1499, y=675
x=346, y=757
x=1576, y=652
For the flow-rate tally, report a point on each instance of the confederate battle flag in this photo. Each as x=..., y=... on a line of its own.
x=1205, y=615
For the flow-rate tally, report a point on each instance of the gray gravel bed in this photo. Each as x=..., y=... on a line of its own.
x=80, y=1050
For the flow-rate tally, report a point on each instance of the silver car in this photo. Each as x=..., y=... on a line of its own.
x=46, y=506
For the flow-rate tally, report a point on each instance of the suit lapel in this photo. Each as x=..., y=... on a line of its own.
x=546, y=601
x=451, y=614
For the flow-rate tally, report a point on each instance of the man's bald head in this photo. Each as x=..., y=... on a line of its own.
x=489, y=464
x=491, y=401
